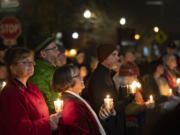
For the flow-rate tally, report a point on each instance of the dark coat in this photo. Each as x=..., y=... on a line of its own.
x=100, y=85
x=150, y=86
x=77, y=118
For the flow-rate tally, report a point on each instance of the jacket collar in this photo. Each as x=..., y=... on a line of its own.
x=19, y=84
x=102, y=68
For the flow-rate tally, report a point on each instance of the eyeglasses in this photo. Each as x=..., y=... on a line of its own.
x=77, y=76
x=53, y=48
x=26, y=63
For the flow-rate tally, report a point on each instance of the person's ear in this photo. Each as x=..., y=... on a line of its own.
x=43, y=54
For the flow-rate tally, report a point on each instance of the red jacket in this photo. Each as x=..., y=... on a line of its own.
x=76, y=118
x=23, y=111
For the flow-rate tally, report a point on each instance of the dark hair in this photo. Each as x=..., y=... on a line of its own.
x=63, y=79
x=14, y=54
x=2, y=64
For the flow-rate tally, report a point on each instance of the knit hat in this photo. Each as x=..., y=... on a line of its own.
x=103, y=51
x=171, y=45
x=129, y=69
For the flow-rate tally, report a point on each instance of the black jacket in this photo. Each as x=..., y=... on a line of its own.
x=100, y=85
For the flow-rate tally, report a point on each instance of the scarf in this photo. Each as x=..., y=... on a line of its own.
x=101, y=129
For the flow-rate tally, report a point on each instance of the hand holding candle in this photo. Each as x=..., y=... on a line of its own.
x=178, y=81
x=151, y=100
x=108, y=102
x=170, y=92
x=58, y=105
x=134, y=86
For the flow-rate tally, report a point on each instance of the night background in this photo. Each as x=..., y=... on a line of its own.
x=43, y=18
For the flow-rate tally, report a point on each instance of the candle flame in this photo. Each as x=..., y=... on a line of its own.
x=138, y=85
x=3, y=84
x=151, y=98
x=135, y=85
x=58, y=105
x=107, y=96
x=170, y=92
x=178, y=81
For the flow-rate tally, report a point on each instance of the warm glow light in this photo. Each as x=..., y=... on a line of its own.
x=108, y=102
x=75, y=35
x=170, y=92
x=137, y=36
x=3, y=84
x=135, y=85
x=151, y=100
x=122, y=21
x=87, y=14
x=58, y=105
x=156, y=29
x=66, y=52
x=73, y=52
x=178, y=81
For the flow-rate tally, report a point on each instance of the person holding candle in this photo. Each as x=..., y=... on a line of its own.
x=100, y=84
x=78, y=118
x=3, y=75
x=49, y=55
x=23, y=108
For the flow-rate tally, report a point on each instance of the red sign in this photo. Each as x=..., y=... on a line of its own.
x=10, y=29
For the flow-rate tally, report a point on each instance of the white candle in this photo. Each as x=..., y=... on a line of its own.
x=3, y=84
x=58, y=105
x=108, y=102
x=170, y=92
x=135, y=85
x=178, y=81
x=151, y=100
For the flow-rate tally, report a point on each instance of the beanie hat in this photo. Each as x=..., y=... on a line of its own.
x=103, y=51
x=171, y=45
x=128, y=69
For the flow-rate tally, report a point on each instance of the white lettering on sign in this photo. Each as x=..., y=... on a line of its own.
x=9, y=28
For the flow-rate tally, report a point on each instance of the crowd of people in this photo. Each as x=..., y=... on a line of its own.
x=30, y=82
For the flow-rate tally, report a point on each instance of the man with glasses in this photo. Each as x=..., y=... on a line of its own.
x=49, y=56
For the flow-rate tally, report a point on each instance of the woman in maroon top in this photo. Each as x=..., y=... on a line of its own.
x=23, y=110
x=78, y=118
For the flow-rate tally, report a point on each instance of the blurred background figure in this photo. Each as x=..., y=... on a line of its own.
x=94, y=63
x=3, y=50
x=83, y=65
x=3, y=75
x=129, y=57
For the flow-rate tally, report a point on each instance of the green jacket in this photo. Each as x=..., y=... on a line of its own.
x=42, y=77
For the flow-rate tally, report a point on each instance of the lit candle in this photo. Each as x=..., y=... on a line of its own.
x=58, y=105
x=178, y=81
x=135, y=85
x=170, y=92
x=151, y=100
x=3, y=84
x=108, y=102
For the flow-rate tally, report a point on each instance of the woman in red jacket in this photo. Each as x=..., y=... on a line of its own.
x=23, y=110
x=78, y=118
